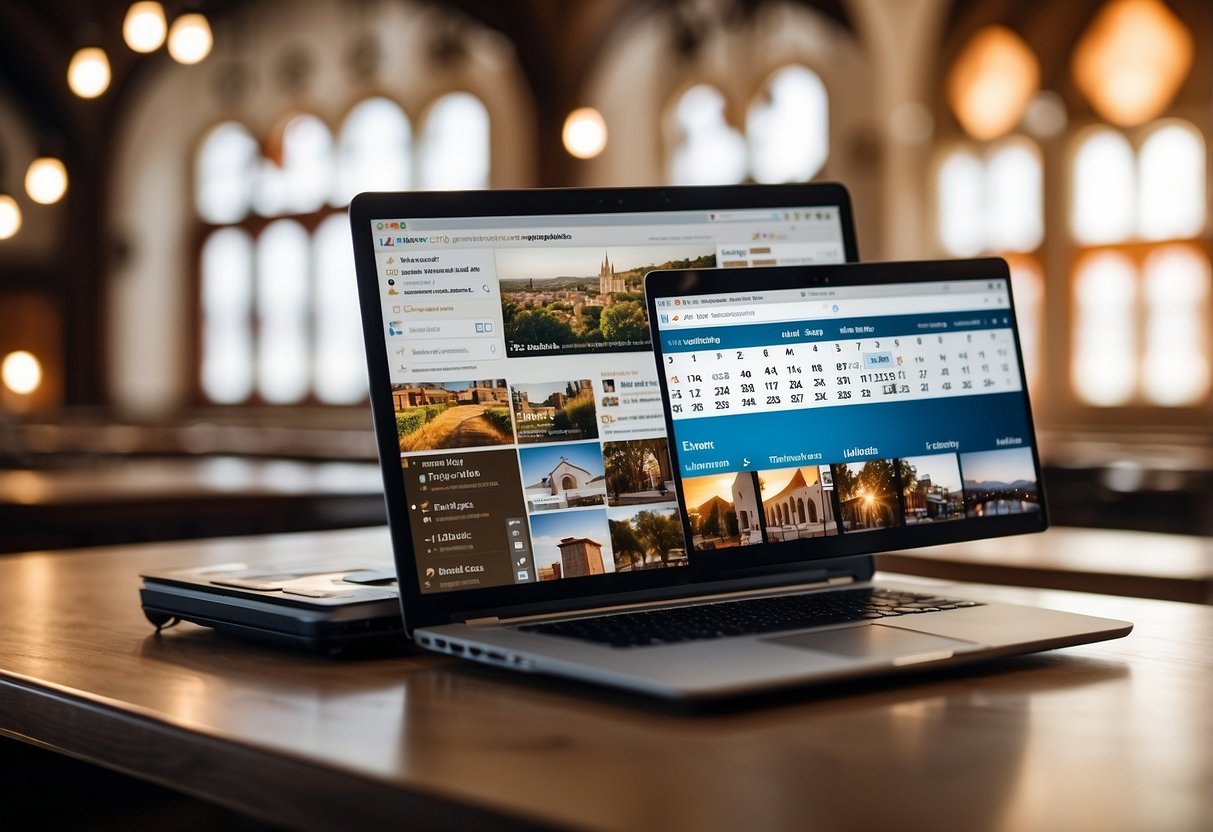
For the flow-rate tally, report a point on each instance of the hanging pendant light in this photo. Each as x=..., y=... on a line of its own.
x=10, y=217
x=144, y=27
x=46, y=180
x=190, y=39
x=88, y=74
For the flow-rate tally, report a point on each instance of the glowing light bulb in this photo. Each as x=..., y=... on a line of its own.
x=189, y=39
x=21, y=372
x=10, y=216
x=585, y=133
x=46, y=180
x=144, y=27
x=88, y=75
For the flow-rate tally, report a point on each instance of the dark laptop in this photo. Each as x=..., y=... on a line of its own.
x=330, y=606
x=459, y=329
x=531, y=494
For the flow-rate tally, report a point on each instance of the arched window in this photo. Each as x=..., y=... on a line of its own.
x=1103, y=367
x=338, y=376
x=1130, y=246
x=1158, y=332
x=567, y=483
x=959, y=186
x=709, y=151
x=1103, y=206
x=296, y=177
x=227, y=308
x=993, y=201
x=1014, y=196
x=278, y=304
x=786, y=137
x=374, y=151
x=1176, y=362
x=224, y=171
x=283, y=274
x=787, y=127
x=454, y=151
x=1172, y=176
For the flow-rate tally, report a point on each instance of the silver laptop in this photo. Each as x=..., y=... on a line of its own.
x=563, y=501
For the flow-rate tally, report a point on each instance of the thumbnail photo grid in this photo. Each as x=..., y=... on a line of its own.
x=596, y=508
x=784, y=504
x=592, y=507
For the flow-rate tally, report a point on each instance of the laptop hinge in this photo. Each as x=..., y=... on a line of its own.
x=818, y=583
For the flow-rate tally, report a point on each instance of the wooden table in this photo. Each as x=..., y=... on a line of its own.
x=1144, y=564
x=1112, y=736
x=172, y=498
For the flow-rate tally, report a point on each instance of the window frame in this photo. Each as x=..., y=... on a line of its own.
x=738, y=98
x=1137, y=412
x=255, y=224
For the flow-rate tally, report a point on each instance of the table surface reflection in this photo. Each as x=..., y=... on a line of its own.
x=1110, y=736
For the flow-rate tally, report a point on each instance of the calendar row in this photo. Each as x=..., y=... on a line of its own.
x=788, y=376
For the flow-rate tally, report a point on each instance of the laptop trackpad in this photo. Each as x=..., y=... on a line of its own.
x=874, y=642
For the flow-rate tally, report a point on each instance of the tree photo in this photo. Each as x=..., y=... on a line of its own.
x=646, y=538
x=638, y=471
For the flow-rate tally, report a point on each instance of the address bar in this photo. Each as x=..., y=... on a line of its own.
x=815, y=310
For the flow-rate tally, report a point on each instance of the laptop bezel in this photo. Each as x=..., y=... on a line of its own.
x=576, y=593
x=681, y=283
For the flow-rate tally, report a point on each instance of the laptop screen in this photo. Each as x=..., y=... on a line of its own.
x=526, y=405
x=846, y=410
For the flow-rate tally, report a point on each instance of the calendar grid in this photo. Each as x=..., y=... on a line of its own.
x=830, y=373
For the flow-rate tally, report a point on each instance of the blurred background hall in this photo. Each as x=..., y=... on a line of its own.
x=179, y=340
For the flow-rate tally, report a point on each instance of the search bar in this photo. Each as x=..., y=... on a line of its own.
x=815, y=310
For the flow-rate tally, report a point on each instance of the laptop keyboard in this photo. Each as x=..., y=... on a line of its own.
x=756, y=615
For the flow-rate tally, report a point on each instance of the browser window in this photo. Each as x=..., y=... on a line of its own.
x=827, y=412
x=527, y=405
